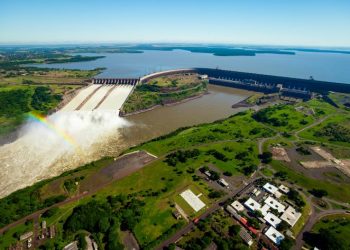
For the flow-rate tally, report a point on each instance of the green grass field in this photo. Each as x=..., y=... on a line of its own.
x=337, y=191
x=338, y=134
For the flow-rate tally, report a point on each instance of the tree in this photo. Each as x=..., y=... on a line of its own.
x=227, y=173
x=266, y=157
x=283, y=226
x=286, y=244
x=214, y=175
x=81, y=241
x=319, y=193
x=215, y=194
x=234, y=230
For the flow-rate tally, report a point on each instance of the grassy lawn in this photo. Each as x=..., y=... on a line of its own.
x=304, y=216
x=340, y=99
x=337, y=223
x=12, y=235
x=157, y=213
x=319, y=106
x=186, y=207
x=267, y=172
x=333, y=130
x=51, y=77
x=235, y=128
x=284, y=118
x=335, y=191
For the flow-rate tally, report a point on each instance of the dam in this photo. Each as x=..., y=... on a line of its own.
x=102, y=94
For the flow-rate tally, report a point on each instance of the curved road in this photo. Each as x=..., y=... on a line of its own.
x=311, y=222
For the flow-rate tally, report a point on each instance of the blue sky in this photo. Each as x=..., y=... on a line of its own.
x=275, y=22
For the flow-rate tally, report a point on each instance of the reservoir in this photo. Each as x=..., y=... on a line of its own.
x=321, y=66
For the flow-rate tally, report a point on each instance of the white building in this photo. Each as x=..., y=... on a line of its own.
x=271, y=202
x=275, y=236
x=223, y=183
x=284, y=189
x=207, y=173
x=270, y=188
x=272, y=219
x=252, y=204
x=291, y=216
x=193, y=200
x=238, y=206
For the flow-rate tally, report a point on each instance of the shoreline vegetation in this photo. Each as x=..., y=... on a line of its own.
x=164, y=91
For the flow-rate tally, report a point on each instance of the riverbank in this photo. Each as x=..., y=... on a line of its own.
x=166, y=105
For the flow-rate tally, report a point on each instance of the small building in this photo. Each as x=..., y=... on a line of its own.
x=223, y=183
x=270, y=188
x=207, y=173
x=26, y=236
x=177, y=214
x=291, y=216
x=203, y=77
x=238, y=206
x=52, y=231
x=272, y=219
x=252, y=204
x=43, y=224
x=272, y=203
x=274, y=235
x=284, y=189
x=246, y=237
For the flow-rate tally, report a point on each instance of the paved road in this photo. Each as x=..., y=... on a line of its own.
x=313, y=218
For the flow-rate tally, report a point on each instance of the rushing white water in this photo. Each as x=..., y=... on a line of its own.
x=41, y=152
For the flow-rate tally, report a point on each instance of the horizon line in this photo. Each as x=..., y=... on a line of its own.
x=75, y=43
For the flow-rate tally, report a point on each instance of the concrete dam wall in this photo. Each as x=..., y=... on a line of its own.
x=104, y=94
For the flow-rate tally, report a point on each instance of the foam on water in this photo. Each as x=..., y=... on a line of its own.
x=39, y=152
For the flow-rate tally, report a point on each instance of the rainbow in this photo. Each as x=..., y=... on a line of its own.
x=42, y=120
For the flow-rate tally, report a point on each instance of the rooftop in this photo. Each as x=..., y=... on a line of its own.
x=270, y=188
x=252, y=204
x=291, y=216
x=192, y=200
x=284, y=189
x=237, y=205
x=275, y=236
x=275, y=204
x=272, y=219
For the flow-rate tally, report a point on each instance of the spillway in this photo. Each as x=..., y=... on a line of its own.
x=80, y=97
x=93, y=102
x=116, y=98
